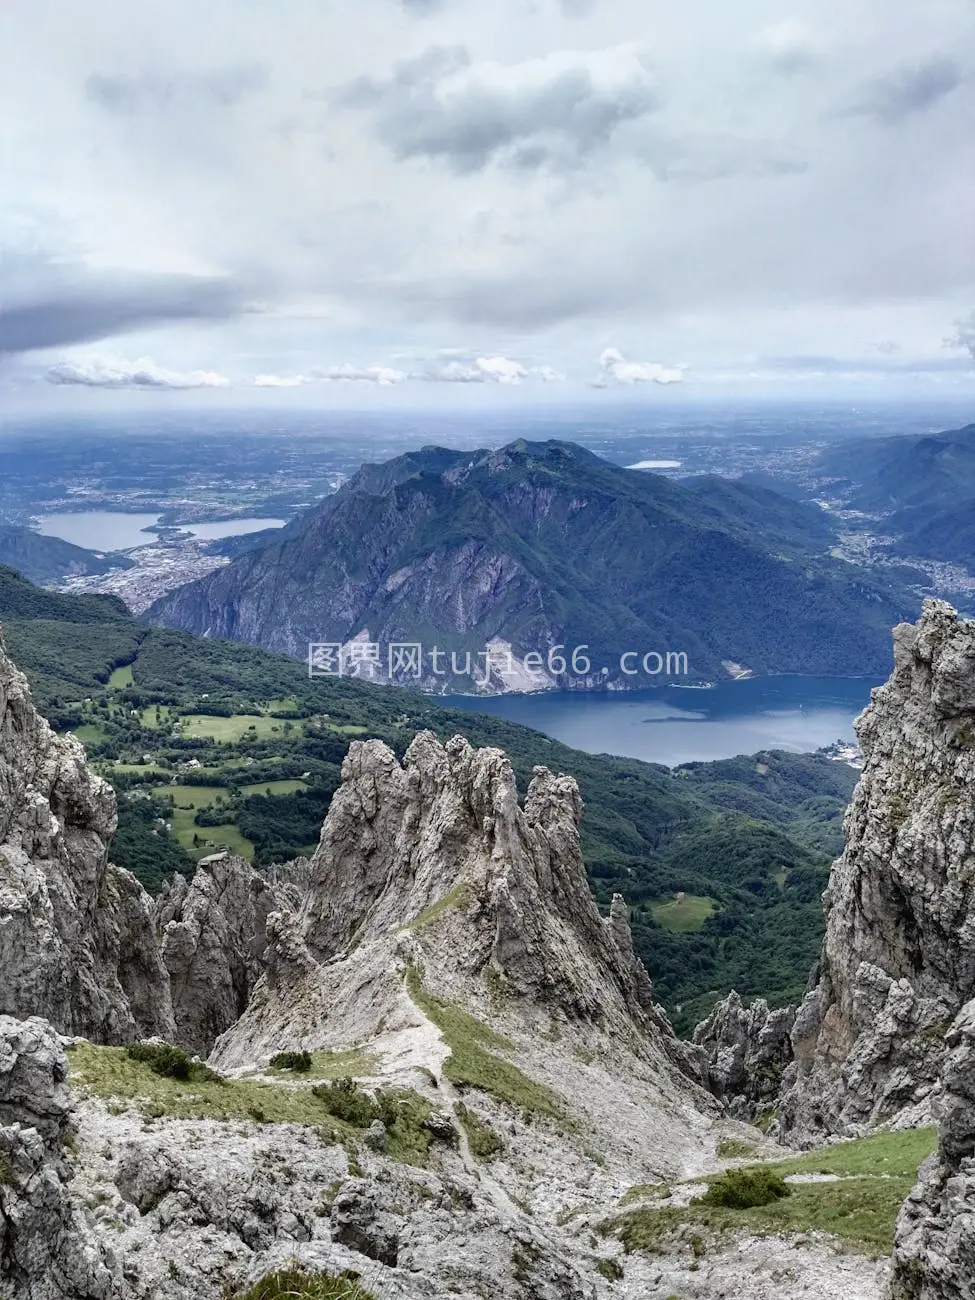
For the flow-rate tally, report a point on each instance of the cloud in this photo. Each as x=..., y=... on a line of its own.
x=75, y=305
x=909, y=89
x=423, y=7
x=281, y=381
x=964, y=335
x=153, y=91
x=385, y=376
x=788, y=47
x=114, y=372
x=614, y=368
x=556, y=110
x=465, y=368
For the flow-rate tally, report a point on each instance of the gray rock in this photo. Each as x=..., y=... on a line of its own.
x=361, y=1223
x=898, y=960
x=214, y=938
x=46, y=1251
x=934, y=1247
x=748, y=1049
x=76, y=941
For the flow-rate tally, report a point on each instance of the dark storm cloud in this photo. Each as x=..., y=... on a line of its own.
x=549, y=112
x=910, y=89
x=219, y=88
x=79, y=307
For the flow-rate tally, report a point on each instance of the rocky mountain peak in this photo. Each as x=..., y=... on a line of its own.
x=898, y=960
x=76, y=941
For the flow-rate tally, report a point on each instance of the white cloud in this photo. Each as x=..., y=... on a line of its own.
x=614, y=368
x=385, y=376
x=452, y=367
x=281, y=381
x=115, y=372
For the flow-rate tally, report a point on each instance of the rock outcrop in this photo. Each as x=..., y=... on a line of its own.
x=76, y=940
x=748, y=1050
x=934, y=1249
x=898, y=960
x=46, y=1250
x=431, y=883
x=213, y=934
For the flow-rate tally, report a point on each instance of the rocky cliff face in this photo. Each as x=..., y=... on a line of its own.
x=76, y=940
x=934, y=1250
x=431, y=889
x=46, y=1249
x=748, y=1049
x=898, y=960
x=213, y=937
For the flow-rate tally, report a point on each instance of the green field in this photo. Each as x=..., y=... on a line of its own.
x=191, y=796
x=187, y=800
x=229, y=730
x=683, y=914
x=120, y=678
x=91, y=734
x=275, y=787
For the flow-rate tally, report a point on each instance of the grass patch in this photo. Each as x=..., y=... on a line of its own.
x=274, y=787
x=876, y=1175
x=121, y=678
x=171, y=1063
x=895, y=1155
x=481, y=1138
x=402, y=1112
x=683, y=914
x=229, y=730
x=91, y=733
x=111, y=1072
x=472, y=1063
x=458, y=897
x=735, y=1149
x=296, y=1284
x=6, y=1173
x=610, y=1269
x=354, y=1064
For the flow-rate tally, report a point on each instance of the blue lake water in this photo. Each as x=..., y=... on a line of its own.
x=674, y=725
x=116, y=530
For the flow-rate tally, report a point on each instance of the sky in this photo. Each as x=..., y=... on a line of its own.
x=280, y=201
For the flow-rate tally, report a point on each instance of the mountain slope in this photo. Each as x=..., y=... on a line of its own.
x=543, y=544
x=44, y=559
x=885, y=474
x=754, y=835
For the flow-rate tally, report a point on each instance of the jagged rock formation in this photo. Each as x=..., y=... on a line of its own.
x=934, y=1249
x=46, y=1250
x=76, y=941
x=748, y=1049
x=213, y=935
x=898, y=960
x=428, y=874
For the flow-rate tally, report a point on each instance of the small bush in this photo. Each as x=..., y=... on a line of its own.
x=162, y=1058
x=610, y=1269
x=295, y=1284
x=743, y=1189
x=344, y=1099
x=299, y=1062
x=171, y=1062
x=735, y=1149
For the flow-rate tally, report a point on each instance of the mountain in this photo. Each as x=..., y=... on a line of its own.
x=947, y=534
x=747, y=840
x=545, y=545
x=882, y=475
x=46, y=559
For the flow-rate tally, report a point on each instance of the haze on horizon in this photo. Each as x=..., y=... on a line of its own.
x=437, y=201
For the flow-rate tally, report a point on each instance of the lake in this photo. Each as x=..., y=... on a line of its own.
x=116, y=530
x=675, y=725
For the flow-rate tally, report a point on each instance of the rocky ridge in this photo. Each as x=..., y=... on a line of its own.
x=898, y=959
x=76, y=942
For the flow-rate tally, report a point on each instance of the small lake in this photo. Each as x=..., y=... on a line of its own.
x=116, y=530
x=675, y=725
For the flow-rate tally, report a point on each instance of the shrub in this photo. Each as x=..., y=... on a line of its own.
x=300, y=1062
x=344, y=1099
x=162, y=1058
x=481, y=1138
x=742, y=1189
x=171, y=1062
